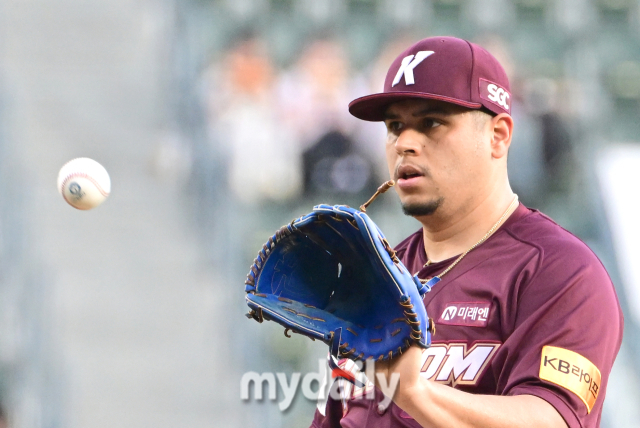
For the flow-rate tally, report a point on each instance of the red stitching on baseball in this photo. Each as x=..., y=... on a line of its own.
x=84, y=175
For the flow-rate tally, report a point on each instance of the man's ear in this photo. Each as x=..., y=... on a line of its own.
x=502, y=127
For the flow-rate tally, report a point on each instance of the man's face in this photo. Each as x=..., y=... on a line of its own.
x=439, y=154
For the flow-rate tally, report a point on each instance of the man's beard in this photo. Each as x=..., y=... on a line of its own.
x=421, y=209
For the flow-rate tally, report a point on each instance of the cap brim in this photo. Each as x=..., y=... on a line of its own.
x=373, y=107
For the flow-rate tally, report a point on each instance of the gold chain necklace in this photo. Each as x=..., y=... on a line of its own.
x=433, y=281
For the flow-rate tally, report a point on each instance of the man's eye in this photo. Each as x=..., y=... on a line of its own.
x=430, y=123
x=394, y=126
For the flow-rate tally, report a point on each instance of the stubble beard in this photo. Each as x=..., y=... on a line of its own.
x=422, y=208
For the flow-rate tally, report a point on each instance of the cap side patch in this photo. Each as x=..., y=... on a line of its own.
x=571, y=371
x=495, y=94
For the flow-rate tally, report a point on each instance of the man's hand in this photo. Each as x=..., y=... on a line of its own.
x=435, y=405
x=407, y=368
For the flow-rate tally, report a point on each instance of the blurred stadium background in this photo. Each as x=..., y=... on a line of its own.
x=221, y=120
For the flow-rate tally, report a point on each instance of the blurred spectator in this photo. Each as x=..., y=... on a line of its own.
x=332, y=165
x=542, y=101
x=314, y=96
x=263, y=161
x=172, y=158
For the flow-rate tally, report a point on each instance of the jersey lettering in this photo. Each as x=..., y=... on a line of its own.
x=447, y=363
x=452, y=364
x=407, y=66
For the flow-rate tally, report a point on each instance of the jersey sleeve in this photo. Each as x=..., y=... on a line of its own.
x=567, y=330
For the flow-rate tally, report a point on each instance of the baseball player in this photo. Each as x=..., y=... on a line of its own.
x=527, y=320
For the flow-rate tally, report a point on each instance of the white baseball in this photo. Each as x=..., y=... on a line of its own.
x=84, y=183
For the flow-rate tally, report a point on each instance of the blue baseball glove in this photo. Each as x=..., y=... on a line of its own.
x=331, y=275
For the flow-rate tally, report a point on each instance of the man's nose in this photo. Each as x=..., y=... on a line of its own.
x=409, y=142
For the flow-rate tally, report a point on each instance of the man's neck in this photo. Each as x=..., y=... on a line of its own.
x=457, y=232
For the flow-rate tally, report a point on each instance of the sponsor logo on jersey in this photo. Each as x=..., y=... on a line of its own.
x=571, y=371
x=454, y=364
x=473, y=314
x=495, y=94
x=407, y=65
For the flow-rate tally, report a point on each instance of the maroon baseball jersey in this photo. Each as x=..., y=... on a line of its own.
x=530, y=311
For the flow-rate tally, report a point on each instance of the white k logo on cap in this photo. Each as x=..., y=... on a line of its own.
x=407, y=66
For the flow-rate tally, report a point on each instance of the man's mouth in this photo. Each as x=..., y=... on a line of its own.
x=408, y=175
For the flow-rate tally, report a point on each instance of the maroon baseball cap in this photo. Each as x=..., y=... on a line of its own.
x=440, y=68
